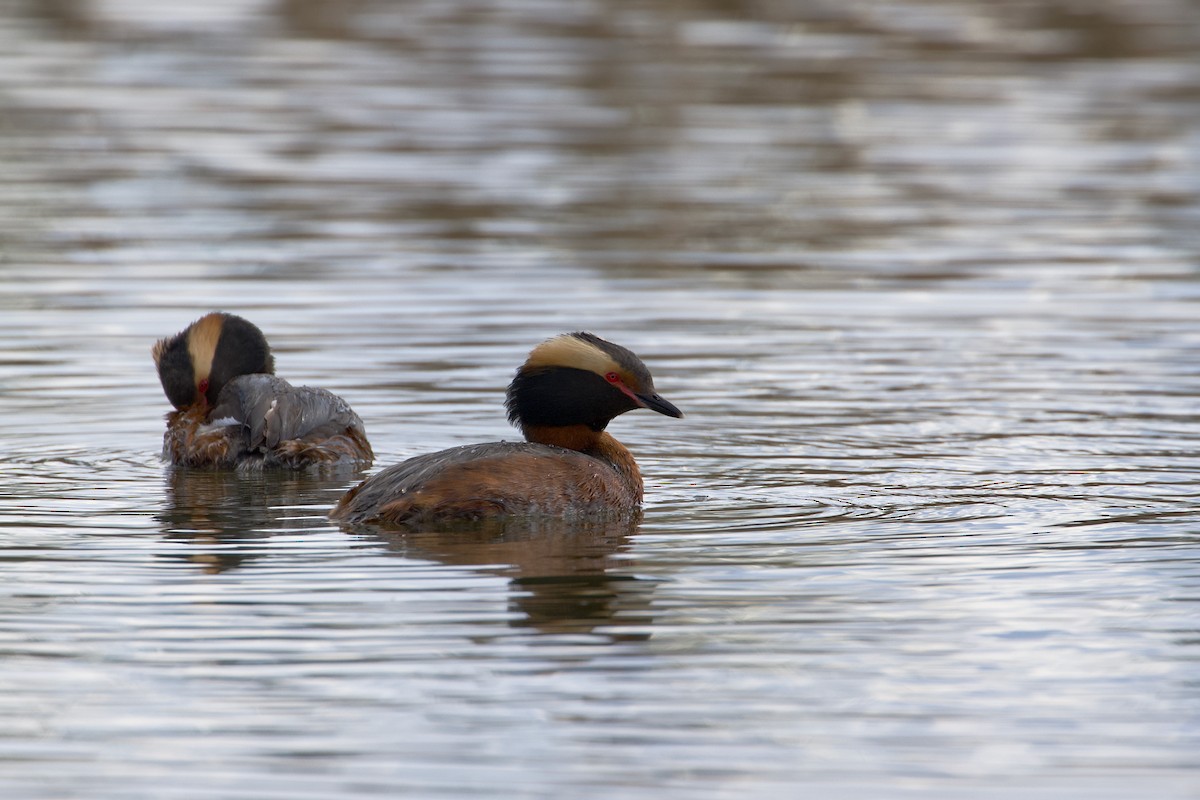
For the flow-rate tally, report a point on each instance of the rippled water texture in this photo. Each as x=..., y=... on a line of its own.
x=924, y=277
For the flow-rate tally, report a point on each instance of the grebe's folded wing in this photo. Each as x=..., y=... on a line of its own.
x=274, y=411
x=468, y=467
x=402, y=478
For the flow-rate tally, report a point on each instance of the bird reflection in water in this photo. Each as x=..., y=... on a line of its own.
x=226, y=516
x=564, y=575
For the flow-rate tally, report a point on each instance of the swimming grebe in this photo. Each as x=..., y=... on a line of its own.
x=231, y=410
x=562, y=398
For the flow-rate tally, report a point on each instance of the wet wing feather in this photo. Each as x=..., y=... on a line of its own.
x=274, y=412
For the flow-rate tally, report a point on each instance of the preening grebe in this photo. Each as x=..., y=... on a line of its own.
x=562, y=398
x=231, y=410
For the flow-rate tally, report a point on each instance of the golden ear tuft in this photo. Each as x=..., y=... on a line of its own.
x=203, y=336
x=156, y=350
x=569, y=350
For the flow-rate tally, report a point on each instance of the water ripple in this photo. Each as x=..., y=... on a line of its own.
x=921, y=276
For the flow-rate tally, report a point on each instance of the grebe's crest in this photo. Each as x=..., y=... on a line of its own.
x=582, y=350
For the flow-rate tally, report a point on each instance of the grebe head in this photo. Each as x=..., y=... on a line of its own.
x=581, y=379
x=195, y=365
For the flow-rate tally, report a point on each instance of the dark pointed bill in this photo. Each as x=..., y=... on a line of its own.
x=656, y=403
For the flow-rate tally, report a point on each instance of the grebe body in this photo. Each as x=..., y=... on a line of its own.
x=562, y=399
x=231, y=410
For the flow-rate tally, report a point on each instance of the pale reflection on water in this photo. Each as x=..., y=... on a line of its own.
x=923, y=277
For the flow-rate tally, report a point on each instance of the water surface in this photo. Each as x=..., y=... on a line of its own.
x=923, y=276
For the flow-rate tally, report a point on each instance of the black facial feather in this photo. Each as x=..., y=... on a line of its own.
x=558, y=396
x=175, y=372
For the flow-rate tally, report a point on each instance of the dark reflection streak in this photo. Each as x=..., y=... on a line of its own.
x=226, y=515
x=562, y=575
x=1154, y=516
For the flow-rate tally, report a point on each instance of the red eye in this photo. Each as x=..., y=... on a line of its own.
x=612, y=377
x=203, y=386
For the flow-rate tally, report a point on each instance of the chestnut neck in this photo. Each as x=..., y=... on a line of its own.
x=572, y=437
x=597, y=444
